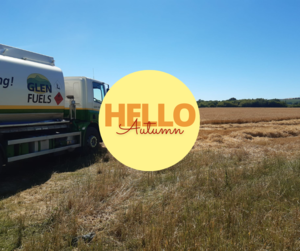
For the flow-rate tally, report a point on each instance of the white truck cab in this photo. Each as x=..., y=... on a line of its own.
x=88, y=93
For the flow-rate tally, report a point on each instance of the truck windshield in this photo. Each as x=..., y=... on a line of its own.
x=99, y=92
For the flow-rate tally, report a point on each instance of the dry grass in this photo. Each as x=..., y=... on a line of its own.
x=238, y=189
x=208, y=201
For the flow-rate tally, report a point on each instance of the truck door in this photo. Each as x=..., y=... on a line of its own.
x=98, y=94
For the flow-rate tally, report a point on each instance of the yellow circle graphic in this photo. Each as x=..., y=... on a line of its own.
x=149, y=120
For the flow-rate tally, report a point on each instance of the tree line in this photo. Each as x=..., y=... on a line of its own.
x=259, y=102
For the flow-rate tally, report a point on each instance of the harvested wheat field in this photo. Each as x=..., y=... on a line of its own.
x=245, y=115
x=238, y=189
x=258, y=131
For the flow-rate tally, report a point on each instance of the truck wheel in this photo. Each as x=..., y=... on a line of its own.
x=92, y=139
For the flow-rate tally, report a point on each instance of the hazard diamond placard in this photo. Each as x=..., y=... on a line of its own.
x=58, y=98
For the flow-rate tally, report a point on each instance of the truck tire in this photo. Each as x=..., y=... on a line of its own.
x=92, y=139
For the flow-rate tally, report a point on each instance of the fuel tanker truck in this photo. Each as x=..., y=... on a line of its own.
x=43, y=112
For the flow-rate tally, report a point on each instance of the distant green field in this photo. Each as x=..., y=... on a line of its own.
x=291, y=101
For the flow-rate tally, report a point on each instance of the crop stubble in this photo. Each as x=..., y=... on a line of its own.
x=258, y=131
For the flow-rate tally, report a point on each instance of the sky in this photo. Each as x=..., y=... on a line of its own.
x=218, y=48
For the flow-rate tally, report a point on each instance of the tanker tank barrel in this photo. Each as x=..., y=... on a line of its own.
x=32, y=89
